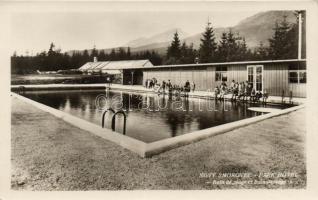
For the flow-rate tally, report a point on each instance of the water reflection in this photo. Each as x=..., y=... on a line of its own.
x=149, y=117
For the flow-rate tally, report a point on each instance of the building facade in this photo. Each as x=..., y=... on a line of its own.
x=276, y=77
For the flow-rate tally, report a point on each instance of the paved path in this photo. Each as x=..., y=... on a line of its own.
x=50, y=154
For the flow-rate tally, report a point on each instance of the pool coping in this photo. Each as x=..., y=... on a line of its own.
x=141, y=89
x=149, y=149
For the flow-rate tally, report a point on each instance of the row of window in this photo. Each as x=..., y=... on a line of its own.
x=296, y=74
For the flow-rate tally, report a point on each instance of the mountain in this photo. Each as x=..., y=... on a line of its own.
x=157, y=38
x=257, y=28
x=160, y=48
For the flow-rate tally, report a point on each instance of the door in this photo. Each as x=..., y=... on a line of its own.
x=255, y=76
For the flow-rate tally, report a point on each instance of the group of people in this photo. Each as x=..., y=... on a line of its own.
x=168, y=87
x=240, y=91
x=150, y=83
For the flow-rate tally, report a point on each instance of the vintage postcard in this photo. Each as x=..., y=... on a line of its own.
x=148, y=96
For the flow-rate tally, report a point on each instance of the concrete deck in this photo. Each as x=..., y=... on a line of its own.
x=138, y=88
x=50, y=154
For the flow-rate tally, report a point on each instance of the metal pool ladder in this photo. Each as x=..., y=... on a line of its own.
x=114, y=119
x=103, y=118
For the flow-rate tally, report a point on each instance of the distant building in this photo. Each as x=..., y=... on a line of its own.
x=124, y=68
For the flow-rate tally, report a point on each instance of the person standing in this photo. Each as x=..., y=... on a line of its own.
x=249, y=89
x=216, y=92
x=164, y=86
x=147, y=83
x=187, y=88
x=193, y=86
x=235, y=91
x=240, y=90
x=169, y=87
x=232, y=85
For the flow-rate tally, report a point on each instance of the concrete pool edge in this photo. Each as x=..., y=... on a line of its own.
x=171, y=143
x=138, y=89
x=117, y=138
x=149, y=149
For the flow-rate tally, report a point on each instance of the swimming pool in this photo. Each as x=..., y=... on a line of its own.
x=150, y=117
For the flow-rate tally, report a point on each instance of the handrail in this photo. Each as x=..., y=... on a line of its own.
x=103, y=119
x=114, y=120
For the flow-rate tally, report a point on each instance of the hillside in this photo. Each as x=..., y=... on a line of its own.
x=257, y=28
x=157, y=38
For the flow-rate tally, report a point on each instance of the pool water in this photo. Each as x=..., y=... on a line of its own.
x=150, y=117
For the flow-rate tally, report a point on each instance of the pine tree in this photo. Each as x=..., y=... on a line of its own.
x=174, y=51
x=51, y=58
x=183, y=53
x=279, y=43
x=223, y=48
x=85, y=57
x=232, y=46
x=94, y=53
x=112, y=55
x=128, y=54
x=261, y=52
x=155, y=58
x=242, y=51
x=51, y=49
x=102, y=55
x=193, y=54
x=121, y=54
x=188, y=54
x=208, y=45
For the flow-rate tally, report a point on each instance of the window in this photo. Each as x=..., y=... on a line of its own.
x=293, y=77
x=297, y=73
x=221, y=74
x=302, y=77
x=250, y=75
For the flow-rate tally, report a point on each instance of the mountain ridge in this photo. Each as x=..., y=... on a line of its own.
x=256, y=28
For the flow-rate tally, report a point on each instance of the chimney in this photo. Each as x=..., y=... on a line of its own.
x=95, y=59
x=299, y=34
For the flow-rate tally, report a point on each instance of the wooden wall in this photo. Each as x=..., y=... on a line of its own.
x=237, y=73
x=299, y=90
x=180, y=76
x=203, y=77
x=275, y=79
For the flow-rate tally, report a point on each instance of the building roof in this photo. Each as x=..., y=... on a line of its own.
x=111, y=65
x=146, y=64
x=228, y=63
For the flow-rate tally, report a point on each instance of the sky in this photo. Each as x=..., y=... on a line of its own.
x=34, y=31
